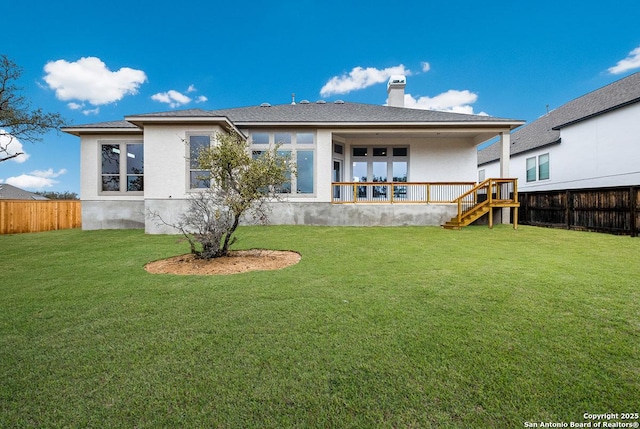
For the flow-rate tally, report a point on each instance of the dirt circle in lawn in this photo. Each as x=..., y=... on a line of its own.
x=238, y=261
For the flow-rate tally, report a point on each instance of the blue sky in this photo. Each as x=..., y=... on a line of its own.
x=100, y=61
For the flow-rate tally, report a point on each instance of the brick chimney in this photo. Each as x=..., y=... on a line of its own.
x=395, y=90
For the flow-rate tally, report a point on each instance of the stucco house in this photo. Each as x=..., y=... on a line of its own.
x=357, y=164
x=590, y=142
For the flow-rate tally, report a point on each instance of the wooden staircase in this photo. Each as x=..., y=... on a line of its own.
x=482, y=199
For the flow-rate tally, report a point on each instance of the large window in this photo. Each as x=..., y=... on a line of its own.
x=538, y=168
x=300, y=147
x=122, y=167
x=379, y=164
x=198, y=178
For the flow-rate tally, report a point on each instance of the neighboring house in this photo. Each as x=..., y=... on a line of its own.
x=357, y=164
x=9, y=192
x=590, y=142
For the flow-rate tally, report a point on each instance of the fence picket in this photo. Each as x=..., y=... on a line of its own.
x=18, y=216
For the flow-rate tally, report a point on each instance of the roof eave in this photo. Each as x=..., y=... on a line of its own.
x=140, y=121
x=78, y=131
x=377, y=124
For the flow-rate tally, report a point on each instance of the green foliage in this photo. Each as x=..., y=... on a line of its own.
x=17, y=120
x=241, y=185
x=52, y=195
x=375, y=327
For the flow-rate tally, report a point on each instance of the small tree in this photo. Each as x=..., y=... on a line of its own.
x=17, y=120
x=241, y=185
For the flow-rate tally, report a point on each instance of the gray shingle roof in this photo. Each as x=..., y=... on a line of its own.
x=10, y=192
x=546, y=129
x=108, y=124
x=327, y=113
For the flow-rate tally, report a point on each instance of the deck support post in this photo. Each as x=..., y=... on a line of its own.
x=505, y=157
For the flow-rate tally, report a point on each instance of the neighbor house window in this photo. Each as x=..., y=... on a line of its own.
x=122, y=167
x=198, y=177
x=538, y=168
x=300, y=148
x=543, y=167
x=531, y=169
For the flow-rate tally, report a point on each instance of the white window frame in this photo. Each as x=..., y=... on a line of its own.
x=293, y=147
x=388, y=158
x=189, y=168
x=122, y=167
x=536, y=168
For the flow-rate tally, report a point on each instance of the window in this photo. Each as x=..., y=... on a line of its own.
x=531, y=169
x=304, y=163
x=304, y=138
x=122, y=167
x=538, y=168
x=198, y=178
x=543, y=167
x=359, y=151
x=300, y=147
x=282, y=138
x=481, y=175
x=260, y=138
x=379, y=164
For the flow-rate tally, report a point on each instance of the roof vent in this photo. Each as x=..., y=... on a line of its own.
x=304, y=102
x=338, y=102
x=265, y=105
x=321, y=102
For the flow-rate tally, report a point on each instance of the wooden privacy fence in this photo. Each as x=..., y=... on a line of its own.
x=610, y=210
x=18, y=216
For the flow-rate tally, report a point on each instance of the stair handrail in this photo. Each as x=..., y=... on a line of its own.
x=488, y=184
x=485, y=183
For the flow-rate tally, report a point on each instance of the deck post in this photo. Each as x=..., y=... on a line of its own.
x=505, y=157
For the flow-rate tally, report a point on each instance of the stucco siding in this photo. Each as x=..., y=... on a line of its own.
x=91, y=164
x=165, y=155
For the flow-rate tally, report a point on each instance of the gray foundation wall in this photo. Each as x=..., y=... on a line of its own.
x=288, y=213
x=136, y=214
x=112, y=214
x=360, y=214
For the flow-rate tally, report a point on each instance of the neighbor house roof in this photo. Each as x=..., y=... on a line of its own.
x=301, y=114
x=10, y=192
x=545, y=130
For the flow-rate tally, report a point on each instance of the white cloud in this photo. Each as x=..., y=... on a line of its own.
x=360, y=78
x=9, y=145
x=86, y=112
x=451, y=101
x=38, y=179
x=176, y=99
x=631, y=62
x=89, y=79
x=172, y=97
x=425, y=66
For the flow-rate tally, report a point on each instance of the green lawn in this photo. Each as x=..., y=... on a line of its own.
x=375, y=327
